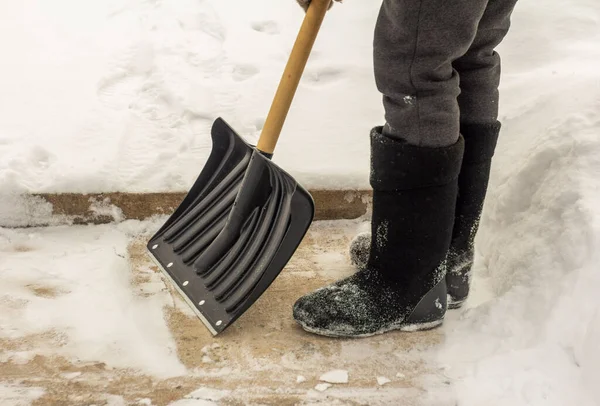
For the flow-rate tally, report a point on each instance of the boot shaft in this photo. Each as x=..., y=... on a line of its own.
x=480, y=145
x=414, y=203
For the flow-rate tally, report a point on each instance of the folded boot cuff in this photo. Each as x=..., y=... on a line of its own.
x=397, y=165
x=480, y=141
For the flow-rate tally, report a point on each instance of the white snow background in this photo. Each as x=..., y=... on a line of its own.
x=120, y=96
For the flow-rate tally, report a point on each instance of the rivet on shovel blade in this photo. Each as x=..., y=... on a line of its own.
x=185, y=283
x=201, y=302
x=219, y=323
x=170, y=264
x=155, y=246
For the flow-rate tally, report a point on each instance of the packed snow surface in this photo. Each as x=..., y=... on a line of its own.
x=81, y=286
x=121, y=95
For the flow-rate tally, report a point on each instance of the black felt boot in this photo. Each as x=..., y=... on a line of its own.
x=402, y=286
x=480, y=144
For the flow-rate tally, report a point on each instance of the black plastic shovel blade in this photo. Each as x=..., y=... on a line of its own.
x=234, y=232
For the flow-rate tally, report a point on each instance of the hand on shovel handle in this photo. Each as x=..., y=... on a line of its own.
x=305, y=3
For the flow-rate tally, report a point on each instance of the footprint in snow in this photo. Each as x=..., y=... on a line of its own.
x=41, y=157
x=244, y=72
x=267, y=27
x=324, y=76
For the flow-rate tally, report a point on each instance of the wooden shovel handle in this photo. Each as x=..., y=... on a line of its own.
x=291, y=75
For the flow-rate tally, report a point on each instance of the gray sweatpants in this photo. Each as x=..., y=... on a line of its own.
x=436, y=66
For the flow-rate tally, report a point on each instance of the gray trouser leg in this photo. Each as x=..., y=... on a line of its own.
x=416, y=43
x=479, y=68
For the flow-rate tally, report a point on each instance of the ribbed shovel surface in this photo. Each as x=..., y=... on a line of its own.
x=234, y=231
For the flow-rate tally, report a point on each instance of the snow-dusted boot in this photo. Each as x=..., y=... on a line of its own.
x=402, y=286
x=480, y=144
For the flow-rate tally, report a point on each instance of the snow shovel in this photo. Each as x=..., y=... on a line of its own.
x=244, y=217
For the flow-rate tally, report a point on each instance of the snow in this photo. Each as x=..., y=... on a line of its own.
x=115, y=400
x=134, y=87
x=322, y=387
x=193, y=402
x=536, y=340
x=77, y=276
x=207, y=394
x=71, y=375
x=120, y=96
x=300, y=379
x=13, y=395
x=105, y=208
x=335, y=376
x=382, y=380
x=24, y=210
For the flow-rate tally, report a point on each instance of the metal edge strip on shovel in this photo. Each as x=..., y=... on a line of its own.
x=244, y=217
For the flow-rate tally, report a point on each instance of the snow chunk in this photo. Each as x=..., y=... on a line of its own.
x=71, y=375
x=382, y=380
x=322, y=387
x=300, y=379
x=104, y=208
x=335, y=376
x=207, y=394
x=24, y=210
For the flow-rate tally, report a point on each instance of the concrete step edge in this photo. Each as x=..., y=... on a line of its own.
x=103, y=208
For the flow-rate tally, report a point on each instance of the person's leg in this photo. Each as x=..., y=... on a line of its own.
x=415, y=162
x=479, y=68
x=479, y=71
x=415, y=45
x=403, y=286
x=480, y=143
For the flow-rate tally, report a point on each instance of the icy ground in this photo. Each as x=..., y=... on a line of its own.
x=120, y=95
x=83, y=317
x=86, y=319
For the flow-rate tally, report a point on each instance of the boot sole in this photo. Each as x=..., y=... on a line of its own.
x=454, y=304
x=408, y=328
